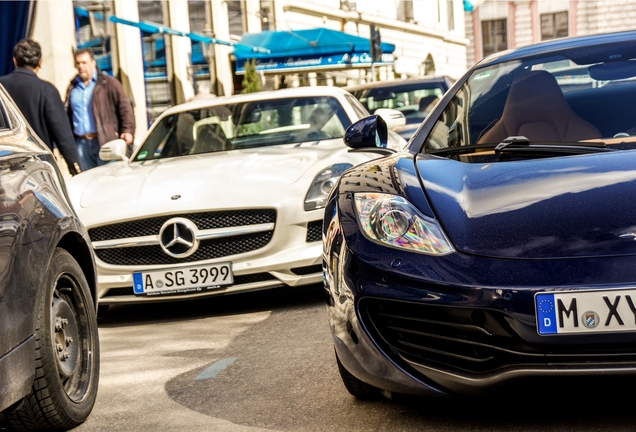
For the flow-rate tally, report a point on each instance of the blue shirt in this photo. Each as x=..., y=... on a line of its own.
x=83, y=117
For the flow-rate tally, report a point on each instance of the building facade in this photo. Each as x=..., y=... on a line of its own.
x=496, y=25
x=159, y=69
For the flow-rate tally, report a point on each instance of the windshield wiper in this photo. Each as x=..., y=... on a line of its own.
x=521, y=140
x=461, y=149
x=523, y=144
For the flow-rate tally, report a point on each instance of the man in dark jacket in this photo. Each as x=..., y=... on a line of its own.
x=98, y=110
x=40, y=102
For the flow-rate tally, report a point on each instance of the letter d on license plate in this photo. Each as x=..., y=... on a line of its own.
x=586, y=311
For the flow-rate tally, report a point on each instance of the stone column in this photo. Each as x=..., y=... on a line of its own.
x=253, y=16
x=179, y=19
x=221, y=29
x=130, y=72
x=54, y=30
x=313, y=79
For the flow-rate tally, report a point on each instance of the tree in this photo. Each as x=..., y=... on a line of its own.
x=251, y=80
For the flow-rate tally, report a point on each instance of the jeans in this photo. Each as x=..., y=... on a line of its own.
x=88, y=152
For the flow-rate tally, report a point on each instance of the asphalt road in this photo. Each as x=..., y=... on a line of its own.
x=264, y=361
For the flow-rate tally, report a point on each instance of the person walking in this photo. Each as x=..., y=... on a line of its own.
x=40, y=102
x=98, y=110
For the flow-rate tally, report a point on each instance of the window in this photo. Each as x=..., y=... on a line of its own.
x=196, y=12
x=494, y=35
x=554, y=25
x=267, y=15
x=413, y=100
x=92, y=25
x=4, y=119
x=542, y=96
x=151, y=11
x=235, y=16
x=245, y=125
x=405, y=11
x=450, y=14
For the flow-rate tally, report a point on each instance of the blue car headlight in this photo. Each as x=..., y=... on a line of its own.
x=321, y=186
x=392, y=221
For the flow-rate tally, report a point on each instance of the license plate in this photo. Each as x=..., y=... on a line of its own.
x=183, y=279
x=586, y=311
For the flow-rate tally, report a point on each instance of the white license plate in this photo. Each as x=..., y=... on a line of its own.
x=586, y=311
x=183, y=279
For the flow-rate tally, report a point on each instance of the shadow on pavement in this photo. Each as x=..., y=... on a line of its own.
x=241, y=303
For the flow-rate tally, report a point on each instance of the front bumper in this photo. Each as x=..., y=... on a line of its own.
x=284, y=251
x=291, y=267
x=420, y=336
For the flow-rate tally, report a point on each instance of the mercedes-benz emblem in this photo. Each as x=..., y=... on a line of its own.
x=177, y=237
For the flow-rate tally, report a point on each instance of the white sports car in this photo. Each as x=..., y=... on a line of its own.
x=224, y=195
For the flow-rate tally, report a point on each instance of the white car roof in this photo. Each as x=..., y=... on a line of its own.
x=257, y=96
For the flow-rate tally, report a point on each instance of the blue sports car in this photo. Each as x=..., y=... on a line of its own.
x=500, y=243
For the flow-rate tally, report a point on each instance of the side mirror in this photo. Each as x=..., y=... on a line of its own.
x=114, y=150
x=392, y=117
x=369, y=134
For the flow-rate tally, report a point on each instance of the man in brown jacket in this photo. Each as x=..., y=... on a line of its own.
x=98, y=109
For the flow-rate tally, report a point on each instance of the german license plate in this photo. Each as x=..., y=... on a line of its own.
x=586, y=311
x=183, y=279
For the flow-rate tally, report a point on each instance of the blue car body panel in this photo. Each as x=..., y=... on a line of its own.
x=560, y=207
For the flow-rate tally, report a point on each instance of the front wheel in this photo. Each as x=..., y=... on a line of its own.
x=66, y=355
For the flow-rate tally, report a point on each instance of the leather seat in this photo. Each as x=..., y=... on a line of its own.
x=536, y=108
x=210, y=138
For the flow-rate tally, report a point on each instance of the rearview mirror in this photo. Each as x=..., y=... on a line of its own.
x=114, y=150
x=613, y=70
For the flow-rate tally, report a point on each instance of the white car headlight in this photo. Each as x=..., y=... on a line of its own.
x=392, y=221
x=321, y=186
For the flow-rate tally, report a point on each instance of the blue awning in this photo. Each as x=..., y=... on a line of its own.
x=304, y=50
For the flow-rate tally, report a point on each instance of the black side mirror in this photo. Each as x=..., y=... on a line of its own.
x=369, y=134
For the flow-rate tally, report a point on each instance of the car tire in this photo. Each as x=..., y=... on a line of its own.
x=66, y=355
x=357, y=388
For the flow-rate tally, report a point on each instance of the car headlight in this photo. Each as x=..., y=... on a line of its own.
x=321, y=186
x=392, y=221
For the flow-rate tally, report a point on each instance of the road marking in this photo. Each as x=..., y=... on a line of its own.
x=215, y=368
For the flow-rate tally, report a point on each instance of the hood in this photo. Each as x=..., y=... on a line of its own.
x=222, y=180
x=573, y=206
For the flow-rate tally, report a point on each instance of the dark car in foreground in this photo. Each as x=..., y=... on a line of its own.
x=49, y=347
x=499, y=244
x=414, y=97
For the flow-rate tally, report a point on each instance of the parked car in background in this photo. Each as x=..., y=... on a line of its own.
x=224, y=195
x=499, y=245
x=49, y=347
x=413, y=97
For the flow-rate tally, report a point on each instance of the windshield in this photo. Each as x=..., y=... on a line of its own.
x=263, y=123
x=582, y=94
x=414, y=100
